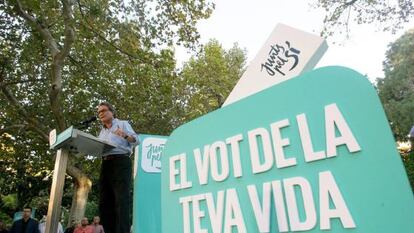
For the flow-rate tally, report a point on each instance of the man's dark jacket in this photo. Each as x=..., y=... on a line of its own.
x=32, y=226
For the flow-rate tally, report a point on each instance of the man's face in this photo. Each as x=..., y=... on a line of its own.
x=27, y=213
x=84, y=222
x=96, y=220
x=104, y=114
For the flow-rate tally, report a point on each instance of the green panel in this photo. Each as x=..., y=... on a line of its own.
x=370, y=177
x=147, y=185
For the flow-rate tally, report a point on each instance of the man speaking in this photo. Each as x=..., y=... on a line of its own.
x=115, y=177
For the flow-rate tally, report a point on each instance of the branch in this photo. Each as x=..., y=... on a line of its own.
x=16, y=129
x=3, y=69
x=85, y=69
x=38, y=26
x=11, y=128
x=18, y=82
x=58, y=56
x=69, y=32
x=33, y=122
x=346, y=4
x=97, y=33
x=57, y=65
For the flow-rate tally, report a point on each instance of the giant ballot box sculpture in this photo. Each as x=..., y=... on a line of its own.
x=292, y=150
x=312, y=154
x=69, y=142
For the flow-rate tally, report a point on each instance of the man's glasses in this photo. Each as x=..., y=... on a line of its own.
x=102, y=111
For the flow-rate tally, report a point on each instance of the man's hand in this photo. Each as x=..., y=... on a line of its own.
x=124, y=135
x=120, y=133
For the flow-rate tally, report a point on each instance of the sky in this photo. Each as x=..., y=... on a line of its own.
x=250, y=22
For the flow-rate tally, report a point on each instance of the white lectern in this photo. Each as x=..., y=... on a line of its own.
x=70, y=141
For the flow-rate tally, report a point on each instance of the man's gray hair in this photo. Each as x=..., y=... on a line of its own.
x=109, y=106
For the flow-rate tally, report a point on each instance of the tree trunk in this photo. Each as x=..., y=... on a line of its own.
x=82, y=186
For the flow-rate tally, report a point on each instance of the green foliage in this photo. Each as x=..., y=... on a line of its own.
x=91, y=210
x=23, y=175
x=9, y=201
x=120, y=54
x=396, y=90
x=387, y=15
x=408, y=160
x=6, y=219
x=208, y=79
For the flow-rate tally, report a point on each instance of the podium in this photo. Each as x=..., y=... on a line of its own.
x=78, y=142
x=75, y=142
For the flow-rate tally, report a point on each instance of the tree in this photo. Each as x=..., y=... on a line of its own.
x=208, y=79
x=396, y=90
x=22, y=175
x=388, y=15
x=58, y=59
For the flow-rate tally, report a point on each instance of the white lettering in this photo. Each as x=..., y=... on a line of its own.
x=309, y=153
x=173, y=172
x=333, y=117
x=202, y=164
x=261, y=211
x=308, y=204
x=233, y=209
x=216, y=213
x=279, y=143
x=198, y=214
x=186, y=213
x=235, y=154
x=184, y=183
x=257, y=167
x=329, y=188
x=280, y=206
x=224, y=161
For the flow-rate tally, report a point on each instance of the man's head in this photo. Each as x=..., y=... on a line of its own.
x=96, y=220
x=27, y=212
x=106, y=112
x=84, y=222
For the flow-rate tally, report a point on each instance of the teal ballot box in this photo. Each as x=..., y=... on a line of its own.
x=311, y=154
x=147, y=184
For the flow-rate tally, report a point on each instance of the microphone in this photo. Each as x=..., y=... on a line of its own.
x=85, y=123
x=89, y=120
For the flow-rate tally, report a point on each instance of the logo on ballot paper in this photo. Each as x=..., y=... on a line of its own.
x=314, y=163
x=152, y=149
x=281, y=57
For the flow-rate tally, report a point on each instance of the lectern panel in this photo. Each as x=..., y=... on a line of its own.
x=76, y=141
